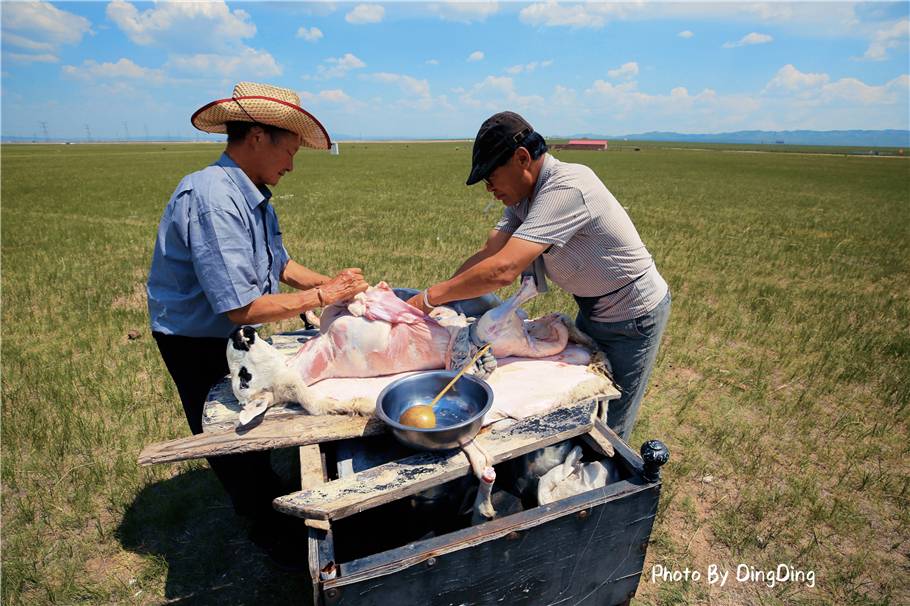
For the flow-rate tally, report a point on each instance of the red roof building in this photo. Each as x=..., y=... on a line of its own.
x=591, y=144
x=587, y=144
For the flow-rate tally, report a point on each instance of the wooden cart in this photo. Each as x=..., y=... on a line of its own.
x=586, y=549
x=369, y=543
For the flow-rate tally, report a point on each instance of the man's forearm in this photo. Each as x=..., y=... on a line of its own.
x=271, y=308
x=300, y=277
x=472, y=261
x=481, y=277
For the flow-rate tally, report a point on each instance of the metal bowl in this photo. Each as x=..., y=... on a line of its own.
x=459, y=413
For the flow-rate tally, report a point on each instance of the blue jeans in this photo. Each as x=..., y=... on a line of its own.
x=630, y=347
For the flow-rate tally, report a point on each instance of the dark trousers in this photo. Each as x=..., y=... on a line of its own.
x=196, y=364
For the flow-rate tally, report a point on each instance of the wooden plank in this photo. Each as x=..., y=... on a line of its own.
x=314, y=535
x=222, y=409
x=320, y=552
x=397, y=479
x=312, y=466
x=401, y=558
x=598, y=441
x=587, y=549
x=626, y=453
x=319, y=524
x=270, y=433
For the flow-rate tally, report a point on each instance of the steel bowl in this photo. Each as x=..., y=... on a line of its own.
x=459, y=413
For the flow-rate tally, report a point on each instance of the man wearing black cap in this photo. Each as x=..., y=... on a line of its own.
x=562, y=220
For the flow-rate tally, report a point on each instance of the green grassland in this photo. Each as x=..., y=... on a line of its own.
x=781, y=390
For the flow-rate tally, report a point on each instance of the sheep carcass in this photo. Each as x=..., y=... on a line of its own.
x=377, y=334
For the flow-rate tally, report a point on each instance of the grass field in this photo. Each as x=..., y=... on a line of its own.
x=781, y=390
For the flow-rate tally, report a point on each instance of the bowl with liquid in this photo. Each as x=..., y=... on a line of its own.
x=452, y=422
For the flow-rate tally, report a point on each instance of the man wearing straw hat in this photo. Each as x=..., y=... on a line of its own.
x=217, y=262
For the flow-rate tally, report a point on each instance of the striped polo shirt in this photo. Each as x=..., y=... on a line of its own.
x=595, y=249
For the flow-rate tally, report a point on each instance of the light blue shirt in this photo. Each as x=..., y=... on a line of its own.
x=218, y=248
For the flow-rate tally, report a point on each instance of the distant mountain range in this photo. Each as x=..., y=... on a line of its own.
x=853, y=138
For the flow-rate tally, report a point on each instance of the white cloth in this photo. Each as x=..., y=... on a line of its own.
x=522, y=387
x=573, y=477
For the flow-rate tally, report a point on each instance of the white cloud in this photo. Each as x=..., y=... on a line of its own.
x=476, y=56
x=22, y=58
x=318, y=9
x=464, y=12
x=851, y=90
x=334, y=99
x=563, y=96
x=553, y=14
x=494, y=93
x=417, y=92
x=335, y=95
x=203, y=39
x=685, y=34
x=528, y=67
x=894, y=36
x=312, y=34
x=431, y=62
x=586, y=15
x=608, y=89
x=680, y=92
x=627, y=70
x=409, y=84
x=40, y=27
x=183, y=26
x=338, y=67
x=365, y=13
x=249, y=63
x=27, y=43
x=790, y=79
x=121, y=69
x=749, y=39
x=818, y=89
x=631, y=109
x=44, y=23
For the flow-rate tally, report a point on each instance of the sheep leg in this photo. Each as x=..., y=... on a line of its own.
x=481, y=466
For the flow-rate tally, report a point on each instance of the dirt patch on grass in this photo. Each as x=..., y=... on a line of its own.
x=133, y=301
x=681, y=374
x=120, y=567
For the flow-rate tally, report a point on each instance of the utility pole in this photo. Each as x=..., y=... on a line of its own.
x=44, y=127
x=88, y=133
x=145, y=127
x=127, y=131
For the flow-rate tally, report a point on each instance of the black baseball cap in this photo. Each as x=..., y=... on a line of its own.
x=498, y=138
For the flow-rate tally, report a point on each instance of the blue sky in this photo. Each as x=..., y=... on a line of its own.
x=438, y=69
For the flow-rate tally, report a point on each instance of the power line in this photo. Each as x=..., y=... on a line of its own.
x=88, y=132
x=44, y=127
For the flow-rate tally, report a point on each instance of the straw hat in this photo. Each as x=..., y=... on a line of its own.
x=266, y=104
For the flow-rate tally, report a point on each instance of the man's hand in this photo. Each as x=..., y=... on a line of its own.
x=418, y=302
x=344, y=286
